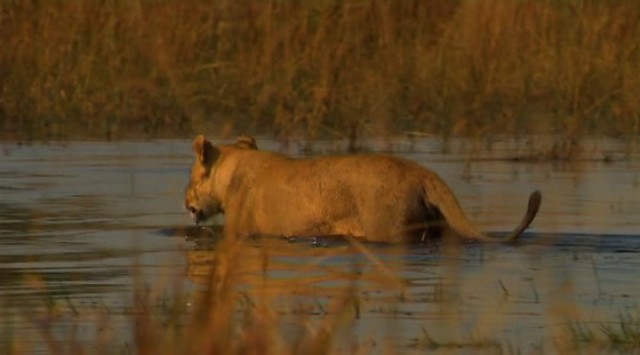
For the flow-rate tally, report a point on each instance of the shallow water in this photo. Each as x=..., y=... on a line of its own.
x=81, y=223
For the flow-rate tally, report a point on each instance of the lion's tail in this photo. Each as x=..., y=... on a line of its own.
x=438, y=194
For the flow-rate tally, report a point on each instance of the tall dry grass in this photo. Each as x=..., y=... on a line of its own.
x=343, y=68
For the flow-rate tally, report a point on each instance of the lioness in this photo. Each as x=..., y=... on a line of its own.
x=374, y=197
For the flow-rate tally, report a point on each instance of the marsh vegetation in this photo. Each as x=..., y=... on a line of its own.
x=91, y=259
x=328, y=68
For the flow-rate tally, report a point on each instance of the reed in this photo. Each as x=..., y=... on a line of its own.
x=112, y=69
x=240, y=309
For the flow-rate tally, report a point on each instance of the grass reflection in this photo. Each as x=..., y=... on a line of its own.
x=279, y=296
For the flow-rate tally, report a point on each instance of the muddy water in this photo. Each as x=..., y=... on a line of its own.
x=82, y=223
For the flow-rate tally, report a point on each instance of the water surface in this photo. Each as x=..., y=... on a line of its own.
x=82, y=223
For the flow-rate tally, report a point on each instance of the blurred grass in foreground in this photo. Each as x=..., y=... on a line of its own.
x=109, y=69
x=241, y=310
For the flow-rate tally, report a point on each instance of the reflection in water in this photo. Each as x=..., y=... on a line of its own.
x=468, y=295
x=81, y=225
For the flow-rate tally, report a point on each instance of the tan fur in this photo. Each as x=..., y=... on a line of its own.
x=370, y=196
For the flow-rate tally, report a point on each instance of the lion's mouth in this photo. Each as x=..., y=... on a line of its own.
x=198, y=216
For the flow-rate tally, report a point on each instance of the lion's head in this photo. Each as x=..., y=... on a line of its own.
x=202, y=200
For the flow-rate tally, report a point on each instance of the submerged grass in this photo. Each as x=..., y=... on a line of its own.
x=340, y=68
x=622, y=336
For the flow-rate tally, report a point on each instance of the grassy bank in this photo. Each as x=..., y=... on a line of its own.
x=339, y=68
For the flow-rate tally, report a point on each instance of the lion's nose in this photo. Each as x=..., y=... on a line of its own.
x=192, y=209
x=195, y=213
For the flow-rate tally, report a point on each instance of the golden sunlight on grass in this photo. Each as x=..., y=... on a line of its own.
x=343, y=69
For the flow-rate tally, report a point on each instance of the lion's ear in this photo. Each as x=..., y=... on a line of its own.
x=246, y=142
x=206, y=153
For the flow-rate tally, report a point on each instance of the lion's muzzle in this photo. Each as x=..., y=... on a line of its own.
x=197, y=215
